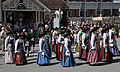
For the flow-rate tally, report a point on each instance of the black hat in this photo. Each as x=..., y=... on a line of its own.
x=9, y=32
x=20, y=35
x=62, y=32
x=41, y=35
x=81, y=28
x=94, y=29
x=112, y=26
x=48, y=31
x=86, y=29
x=103, y=31
x=67, y=33
x=56, y=28
x=42, y=25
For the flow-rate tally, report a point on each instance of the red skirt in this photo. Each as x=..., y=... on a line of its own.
x=53, y=47
x=20, y=58
x=106, y=55
x=83, y=53
x=59, y=53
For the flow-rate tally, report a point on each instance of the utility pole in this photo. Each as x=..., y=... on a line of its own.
x=0, y=10
x=84, y=10
x=100, y=6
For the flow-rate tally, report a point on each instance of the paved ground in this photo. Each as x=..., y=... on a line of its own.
x=55, y=66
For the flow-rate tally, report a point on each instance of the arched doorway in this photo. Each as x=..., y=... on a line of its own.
x=25, y=11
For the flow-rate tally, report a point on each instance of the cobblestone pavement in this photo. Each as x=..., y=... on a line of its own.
x=55, y=65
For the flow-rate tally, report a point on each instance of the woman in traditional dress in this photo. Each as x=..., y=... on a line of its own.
x=60, y=45
x=67, y=59
x=105, y=50
x=79, y=39
x=20, y=58
x=47, y=43
x=93, y=55
x=112, y=42
x=84, y=49
x=9, y=48
x=42, y=57
x=54, y=39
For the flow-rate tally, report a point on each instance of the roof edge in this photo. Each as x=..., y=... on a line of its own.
x=43, y=5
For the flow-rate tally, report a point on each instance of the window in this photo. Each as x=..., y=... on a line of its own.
x=106, y=12
x=115, y=12
x=73, y=13
x=21, y=6
x=90, y=12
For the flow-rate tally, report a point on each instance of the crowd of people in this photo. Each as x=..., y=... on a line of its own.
x=95, y=42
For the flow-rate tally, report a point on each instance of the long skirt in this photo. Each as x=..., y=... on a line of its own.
x=93, y=56
x=77, y=47
x=114, y=49
x=47, y=45
x=42, y=59
x=20, y=58
x=53, y=46
x=67, y=61
x=106, y=53
x=59, y=54
x=83, y=53
x=9, y=56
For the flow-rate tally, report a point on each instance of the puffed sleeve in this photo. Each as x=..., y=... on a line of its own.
x=104, y=39
x=24, y=45
x=40, y=45
x=78, y=36
x=66, y=43
x=16, y=45
x=59, y=39
x=6, y=43
x=83, y=39
x=92, y=41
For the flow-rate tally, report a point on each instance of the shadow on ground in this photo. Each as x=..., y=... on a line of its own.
x=107, y=62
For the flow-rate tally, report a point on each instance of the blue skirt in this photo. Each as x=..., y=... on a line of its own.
x=119, y=30
x=114, y=49
x=43, y=59
x=67, y=61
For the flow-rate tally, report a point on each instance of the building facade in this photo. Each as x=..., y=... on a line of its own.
x=85, y=9
x=28, y=11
